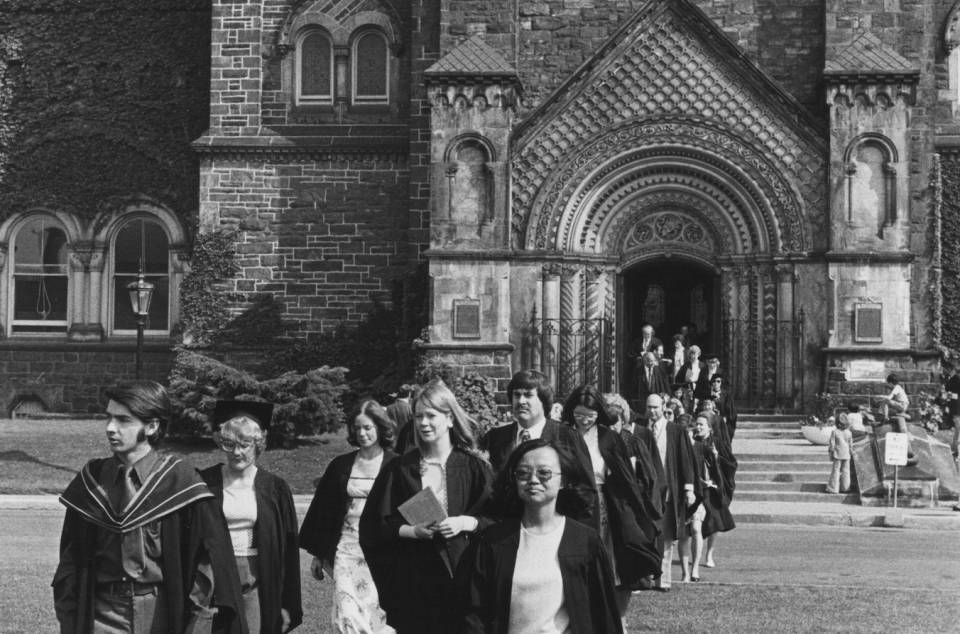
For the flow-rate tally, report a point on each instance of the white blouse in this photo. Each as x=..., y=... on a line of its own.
x=240, y=511
x=536, y=603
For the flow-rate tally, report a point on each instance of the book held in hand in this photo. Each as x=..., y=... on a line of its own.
x=423, y=508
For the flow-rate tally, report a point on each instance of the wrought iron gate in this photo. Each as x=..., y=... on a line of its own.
x=570, y=351
x=763, y=361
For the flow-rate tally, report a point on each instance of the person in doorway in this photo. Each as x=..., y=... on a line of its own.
x=689, y=373
x=144, y=546
x=261, y=518
x=651, y=379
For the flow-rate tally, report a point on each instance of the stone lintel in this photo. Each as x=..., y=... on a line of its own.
x=870, y=257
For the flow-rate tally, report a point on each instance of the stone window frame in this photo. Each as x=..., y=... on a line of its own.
x=343, y=34
x=299, y=99
x=9, y=233
x=891, y=159
x=368, y=100
x=176, y=266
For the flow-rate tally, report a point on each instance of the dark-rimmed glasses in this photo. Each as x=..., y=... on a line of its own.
x=544, y=475
x=230, y=446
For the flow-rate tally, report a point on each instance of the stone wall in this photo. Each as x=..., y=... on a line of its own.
x=70, y=378
x=323, y=237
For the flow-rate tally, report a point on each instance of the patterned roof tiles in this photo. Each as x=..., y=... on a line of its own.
x=473, y=57
x=867, y=55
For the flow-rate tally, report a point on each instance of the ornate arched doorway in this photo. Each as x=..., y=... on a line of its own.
x=671, y=192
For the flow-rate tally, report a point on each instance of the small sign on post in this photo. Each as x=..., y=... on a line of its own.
x=895, y=453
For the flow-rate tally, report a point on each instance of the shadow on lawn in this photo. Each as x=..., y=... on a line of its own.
x=19, y=456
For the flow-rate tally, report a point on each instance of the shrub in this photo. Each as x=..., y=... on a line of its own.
x=475, y=393
x=304, y=404
x=202, y=309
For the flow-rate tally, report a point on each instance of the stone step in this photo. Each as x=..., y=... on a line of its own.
x=753, y=434
x=766, y=424
x=818, y=486
x=780, y=476
x=782, y=466
x=773, y=418
x=816, y=457
x=794, y=496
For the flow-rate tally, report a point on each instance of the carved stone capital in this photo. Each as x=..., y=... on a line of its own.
x=551, y=270
x=594, y=273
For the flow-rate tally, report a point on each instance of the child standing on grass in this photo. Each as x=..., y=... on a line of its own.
x=841, y=440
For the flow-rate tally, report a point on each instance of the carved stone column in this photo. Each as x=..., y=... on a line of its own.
x=86, y=262
x=549, y=331
x=787, y=344
x=571, y=327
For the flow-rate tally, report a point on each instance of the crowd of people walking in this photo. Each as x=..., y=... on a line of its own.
x=539, y=525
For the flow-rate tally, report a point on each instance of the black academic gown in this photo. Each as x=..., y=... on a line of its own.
x=679, y=469
x=414, y=578
x=191, y=536
x=485, y=579
x=275, y=538
x=716, y=500
x=323, y=523
x=634, y=518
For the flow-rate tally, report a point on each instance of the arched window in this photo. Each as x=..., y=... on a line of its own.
x=40, y=277
x=314, y=68
x=141, y=245
x=371, y=68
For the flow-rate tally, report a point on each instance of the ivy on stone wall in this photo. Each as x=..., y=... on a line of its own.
x=202, y=306
x=99, y=101
x=950, y=248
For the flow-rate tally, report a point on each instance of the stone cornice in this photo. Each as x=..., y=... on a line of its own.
x=870, y=257
x=389, y=143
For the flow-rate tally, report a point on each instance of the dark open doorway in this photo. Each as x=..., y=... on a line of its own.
x=668, y=294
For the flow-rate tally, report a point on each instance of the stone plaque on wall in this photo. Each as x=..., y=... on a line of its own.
x=466, y=319
x=867, y=323
x=865, y=370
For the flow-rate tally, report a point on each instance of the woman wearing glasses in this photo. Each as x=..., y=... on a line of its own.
x=536, y=571
x=627, y=518
x=413, y=564
x=261, y=517
x=330, y=530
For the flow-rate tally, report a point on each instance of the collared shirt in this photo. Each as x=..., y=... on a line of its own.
x=659, y=429
x=134, y=555
x=535, y=431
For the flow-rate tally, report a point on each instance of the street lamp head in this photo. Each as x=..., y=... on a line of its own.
x=141, y=292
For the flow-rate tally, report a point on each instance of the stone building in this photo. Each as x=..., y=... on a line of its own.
x=779, y=177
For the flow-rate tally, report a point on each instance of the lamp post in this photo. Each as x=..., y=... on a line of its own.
x=141, y=292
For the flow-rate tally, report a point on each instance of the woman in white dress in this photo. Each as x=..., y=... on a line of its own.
x=330, y=528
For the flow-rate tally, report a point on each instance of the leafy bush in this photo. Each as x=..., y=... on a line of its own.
x=304, y=404
x=202, y=308
x=261, y=323
x=475, y=393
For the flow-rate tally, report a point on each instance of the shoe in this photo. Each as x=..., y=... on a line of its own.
x=709, y=564
x=694, y=579
x=662, y=589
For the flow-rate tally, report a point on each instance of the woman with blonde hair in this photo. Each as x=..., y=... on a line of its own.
x=261, y=517
x=413, y=563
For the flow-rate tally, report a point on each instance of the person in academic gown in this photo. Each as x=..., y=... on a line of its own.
x=651, y=378
x=626, y=518
x=169, y=532
x=714, y=472
x=538, y=570
x=261, y=518
x=330, y=530
x=412, y=565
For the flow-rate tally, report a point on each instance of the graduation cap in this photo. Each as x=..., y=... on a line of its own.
x=259, y=411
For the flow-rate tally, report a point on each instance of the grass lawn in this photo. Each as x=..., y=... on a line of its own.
x=42, y=456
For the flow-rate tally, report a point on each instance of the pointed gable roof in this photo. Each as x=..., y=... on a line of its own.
x=867, y=55
x=472, y=58
x=719, y=46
